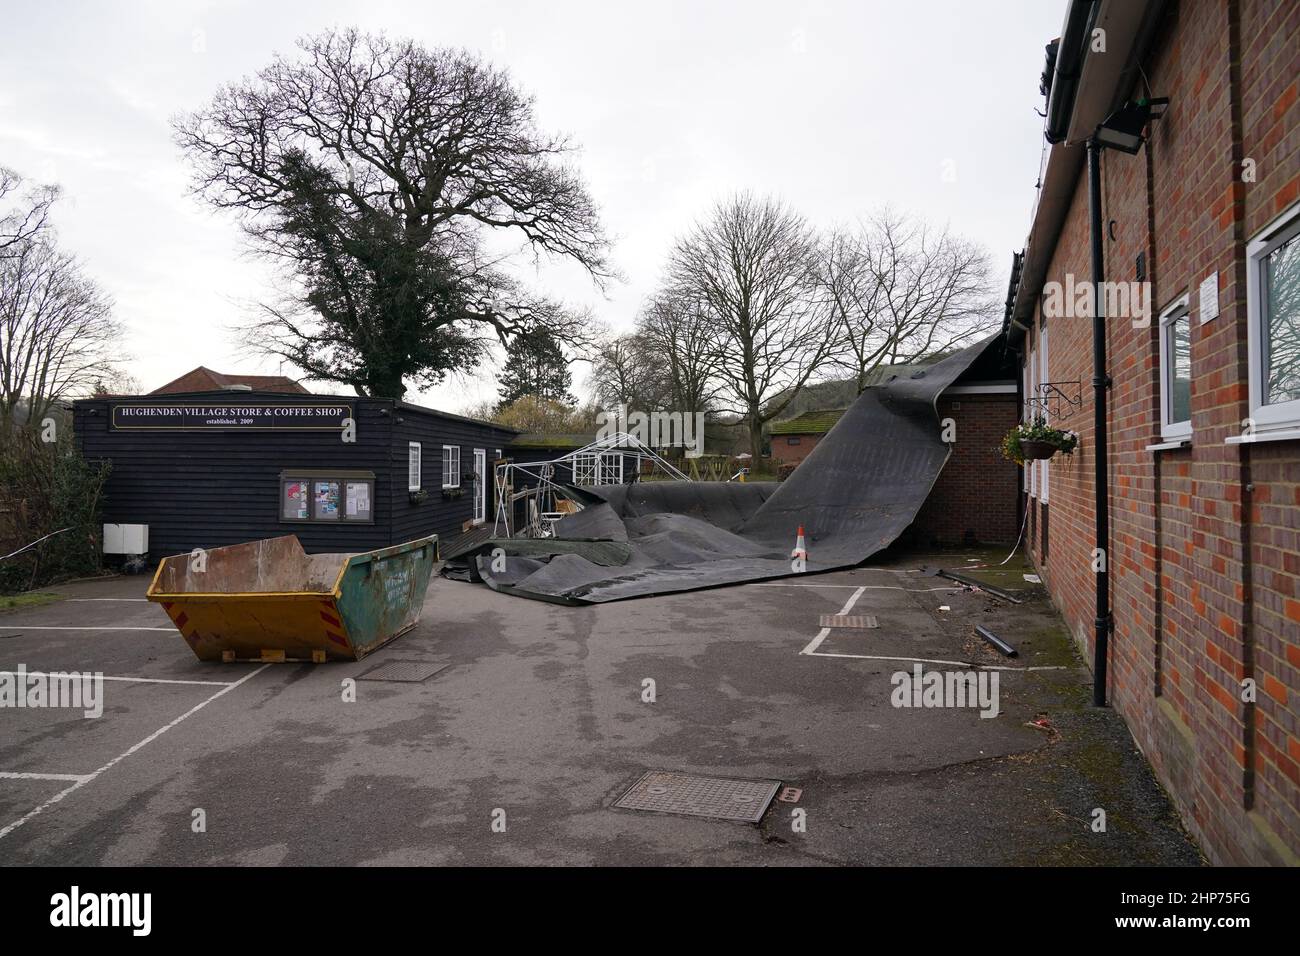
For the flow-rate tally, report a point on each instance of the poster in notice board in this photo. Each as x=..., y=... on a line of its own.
x=326, y=500
x=358, y=500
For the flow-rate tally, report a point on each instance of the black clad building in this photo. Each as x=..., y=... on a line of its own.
x=206, y=469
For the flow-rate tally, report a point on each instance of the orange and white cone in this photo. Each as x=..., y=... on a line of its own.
x=800, y=551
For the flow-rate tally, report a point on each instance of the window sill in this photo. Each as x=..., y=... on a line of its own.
x=1280, y=434
x=1173, y=445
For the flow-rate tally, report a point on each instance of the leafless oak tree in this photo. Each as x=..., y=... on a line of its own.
x=374, y=169
x=752, y=268
x=902, y=292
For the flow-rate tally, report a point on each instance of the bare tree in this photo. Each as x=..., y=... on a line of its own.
x=752, y=268
x=57, y=333
x=902, y=292
x=27, y=219
x=626, y=370
x=677, y=333
x=373, y=169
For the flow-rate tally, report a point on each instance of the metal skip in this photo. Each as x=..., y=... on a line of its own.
x=269, y=600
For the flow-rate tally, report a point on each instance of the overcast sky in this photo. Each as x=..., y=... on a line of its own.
x=838, y=107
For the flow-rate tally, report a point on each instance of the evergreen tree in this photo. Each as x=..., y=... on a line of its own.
x=535, y=365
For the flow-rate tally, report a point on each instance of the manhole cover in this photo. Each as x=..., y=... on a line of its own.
x=407, y=672
x=849, y=620
x=720, y=798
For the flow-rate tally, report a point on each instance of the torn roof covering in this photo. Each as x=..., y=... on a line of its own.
x=855, y=493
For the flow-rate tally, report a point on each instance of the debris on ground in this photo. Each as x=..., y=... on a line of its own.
x=996, y=641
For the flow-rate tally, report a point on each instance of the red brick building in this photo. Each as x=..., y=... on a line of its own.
x=1203, y=423
x=794, y=438
x=974, y=499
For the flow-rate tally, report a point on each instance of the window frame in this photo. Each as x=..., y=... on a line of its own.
x=1280, y=230
x=418, y=449
x=450, y=467
x=1179, y=308
x=342, y=477
x=478, y=511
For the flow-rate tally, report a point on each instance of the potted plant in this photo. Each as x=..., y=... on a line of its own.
x=1037, y=441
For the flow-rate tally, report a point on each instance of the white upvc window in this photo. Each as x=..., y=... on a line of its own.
x=1273, y=333
x=1176, y=370
x=414, y=466
x=451, y=466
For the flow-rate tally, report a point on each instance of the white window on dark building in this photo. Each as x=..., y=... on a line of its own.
x=451, y=466
x=414, y=468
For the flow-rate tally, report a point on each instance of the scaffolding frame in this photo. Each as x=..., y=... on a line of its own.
x=541, y=504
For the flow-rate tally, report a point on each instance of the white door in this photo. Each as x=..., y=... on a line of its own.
x=480, y=485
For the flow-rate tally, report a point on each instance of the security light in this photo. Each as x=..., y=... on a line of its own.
x=1122, y=130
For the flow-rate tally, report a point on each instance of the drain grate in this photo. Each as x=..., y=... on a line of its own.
x=406, y=672
x=721, y=798
x=849, y=620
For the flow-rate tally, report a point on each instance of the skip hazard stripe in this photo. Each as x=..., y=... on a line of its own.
x=336, y=639
x=330, y=619
x=182, y=619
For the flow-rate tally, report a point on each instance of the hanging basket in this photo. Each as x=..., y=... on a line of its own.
x=1037, y=450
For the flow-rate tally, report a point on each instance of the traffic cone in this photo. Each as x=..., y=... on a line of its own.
x=799, y=550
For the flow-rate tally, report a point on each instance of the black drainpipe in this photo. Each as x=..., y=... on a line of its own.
x=1100, y=383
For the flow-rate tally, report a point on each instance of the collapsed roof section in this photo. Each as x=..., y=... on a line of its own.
x=856, y=492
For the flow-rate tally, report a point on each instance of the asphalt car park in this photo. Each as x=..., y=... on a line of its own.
x=535, y=719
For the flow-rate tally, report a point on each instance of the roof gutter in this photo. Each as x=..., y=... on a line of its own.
x=1085, y=89
x=1070, y=54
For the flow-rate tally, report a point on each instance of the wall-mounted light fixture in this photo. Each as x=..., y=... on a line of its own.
x=1122, y=130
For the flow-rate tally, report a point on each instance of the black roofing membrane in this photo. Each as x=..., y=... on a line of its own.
x=854, y=494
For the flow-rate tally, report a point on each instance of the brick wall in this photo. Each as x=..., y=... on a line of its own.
x=792, y=449
x=974, y=498
x=1205, y=572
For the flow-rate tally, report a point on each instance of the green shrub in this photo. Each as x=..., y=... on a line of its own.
x=46, y=487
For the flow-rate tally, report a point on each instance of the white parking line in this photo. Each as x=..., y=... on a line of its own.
x=126, y=753
x=135, y=680
x=816, y=642
x=76, y=777
x=923, y=660
x=822, y=634
x=49, y=627
x=865, y=587
x=85, y=600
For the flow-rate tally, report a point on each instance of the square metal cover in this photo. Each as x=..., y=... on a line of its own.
x=406, y=672
x=849, y=620
x=720, y=798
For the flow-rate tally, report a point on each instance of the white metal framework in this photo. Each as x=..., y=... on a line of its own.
x=600, y=463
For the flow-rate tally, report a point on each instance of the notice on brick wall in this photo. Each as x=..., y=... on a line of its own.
x=1209, y=297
